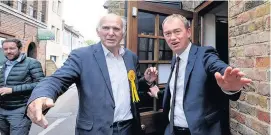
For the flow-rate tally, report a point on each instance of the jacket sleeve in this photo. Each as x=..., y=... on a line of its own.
x=214, y=64
x=36, y=73
x=55, y=85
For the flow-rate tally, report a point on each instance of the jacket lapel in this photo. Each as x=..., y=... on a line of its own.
x=190, y=64
x=129, y=66
x=100, y=59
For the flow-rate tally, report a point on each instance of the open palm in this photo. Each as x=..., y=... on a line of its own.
x=232, y=80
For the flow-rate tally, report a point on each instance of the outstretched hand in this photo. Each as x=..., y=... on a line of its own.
x=35, y=108
x=232, y=80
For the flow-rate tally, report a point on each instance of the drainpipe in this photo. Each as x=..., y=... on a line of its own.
x=125, y=14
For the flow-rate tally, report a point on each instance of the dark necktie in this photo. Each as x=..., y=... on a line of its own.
x=174, y=96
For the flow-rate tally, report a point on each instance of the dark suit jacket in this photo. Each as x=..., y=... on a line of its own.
x=204, y=102
x=87, y=68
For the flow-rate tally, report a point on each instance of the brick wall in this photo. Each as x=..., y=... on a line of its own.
x=12, y=26
x=116, y=7
x=249, y=49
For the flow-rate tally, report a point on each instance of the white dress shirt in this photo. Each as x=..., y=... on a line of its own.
x=120, y=85
x=179, y=116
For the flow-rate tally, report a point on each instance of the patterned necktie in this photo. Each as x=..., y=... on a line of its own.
x=174, y=96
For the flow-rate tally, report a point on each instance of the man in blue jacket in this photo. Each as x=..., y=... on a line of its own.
x=199, y=86
x=18, y=77
x=106, y=77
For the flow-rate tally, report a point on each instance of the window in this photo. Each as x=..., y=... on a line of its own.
x=146, y=47
x=53, y=58
x=152, y=48
x=59, y=6
x=19, y=5
x=1, y=40
x=39, y=16
x=8, y=2
x=31, y=11
x=57, y=35
x=54, y=6
x=2, y=56
x=53, y=29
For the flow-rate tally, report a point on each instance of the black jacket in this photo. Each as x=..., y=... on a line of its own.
x=23, y=78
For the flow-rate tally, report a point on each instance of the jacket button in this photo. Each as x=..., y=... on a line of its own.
x=111, y=126
x=114, y=107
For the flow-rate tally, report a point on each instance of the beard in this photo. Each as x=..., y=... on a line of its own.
x=13, y=59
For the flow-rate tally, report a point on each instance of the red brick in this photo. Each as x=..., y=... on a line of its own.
x=25, y=31
x=256, y=74
x=263, y=62
x=263, y=116
x=242, y=62
x=256, y=50
x=257, y=125
x=237, y=116
x=242, y=18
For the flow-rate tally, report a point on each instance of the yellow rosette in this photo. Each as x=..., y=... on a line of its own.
x=131, y=77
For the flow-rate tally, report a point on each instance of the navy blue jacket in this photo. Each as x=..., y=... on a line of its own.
x=204, y=102
x=87, y=68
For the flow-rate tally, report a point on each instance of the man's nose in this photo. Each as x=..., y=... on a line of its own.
x=111, y=32
x=173, y=36
x=8, y=51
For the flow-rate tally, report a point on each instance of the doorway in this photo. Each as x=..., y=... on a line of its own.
x=32, y=50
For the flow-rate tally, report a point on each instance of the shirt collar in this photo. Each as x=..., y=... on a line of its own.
x=184, y=55
x=107, y=52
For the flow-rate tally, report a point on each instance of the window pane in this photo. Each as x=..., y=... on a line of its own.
x=142, y=55
x=146, y=23
x=146, y=45
x=142, y=44
x=165, y=53
x=150, y=55
x=168, y=55
x=161, y=19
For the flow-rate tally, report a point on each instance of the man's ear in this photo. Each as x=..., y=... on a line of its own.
x=189, y=32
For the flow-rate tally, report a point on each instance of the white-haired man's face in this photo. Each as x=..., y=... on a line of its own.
x=111, y=31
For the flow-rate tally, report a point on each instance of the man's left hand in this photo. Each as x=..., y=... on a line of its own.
x=5, y=90
x=151, y=74
x=232, y=80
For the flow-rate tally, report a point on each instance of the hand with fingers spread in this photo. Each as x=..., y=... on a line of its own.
x=154, y=91
x=232, y=80
x=35, y=108
x=5, y=90
x=151, y=74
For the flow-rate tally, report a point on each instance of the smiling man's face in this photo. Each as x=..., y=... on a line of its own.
x=176, y=35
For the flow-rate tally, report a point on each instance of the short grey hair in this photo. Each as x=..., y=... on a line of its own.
x=178, y=16
x=124, y=23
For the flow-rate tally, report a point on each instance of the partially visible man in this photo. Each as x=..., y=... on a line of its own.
x=18, y=77
x=106, y=78
x=200, y=84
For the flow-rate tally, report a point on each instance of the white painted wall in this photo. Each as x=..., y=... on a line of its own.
x=54, y=18
x=209, y=34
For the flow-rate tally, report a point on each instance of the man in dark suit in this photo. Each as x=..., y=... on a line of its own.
x=105, y=75
x=199, y=85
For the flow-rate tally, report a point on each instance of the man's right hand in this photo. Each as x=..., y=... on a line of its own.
x=35, y=108
x=153, y=91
